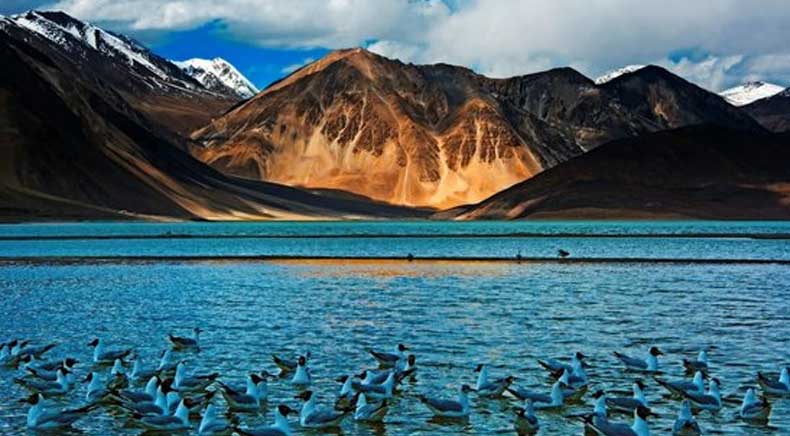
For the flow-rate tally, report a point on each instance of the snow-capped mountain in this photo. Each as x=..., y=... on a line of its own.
x=611, y=75
x=218, y=75
x=750, y=92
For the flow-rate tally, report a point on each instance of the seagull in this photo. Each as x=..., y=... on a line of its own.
x=52, y=365
x=183, y=383
x=574, y=386
x=139, y=373
x=147, y=394
x=211, y=425
x=279, y=428
x=555, y=400
x=97, y=391
x=677, y=388
x=774, y=387
x=302, y=374
x=52, y=375
x=603, y=427
x=346, y=395
x=709, y=401
x=59, y=387
x=753, y=409
x=628, y=404
x=599, y=412
x=526, y=422
x=185, y=343
x=176, y=422
x=389, y=360
x=100, y=355
x=685, y=424
x=491, y=388
x=40, y=418
x=36, y=352
x=701, y=364
x=313, y=417
x=369, y=412
x=633, y=364
x=377, y=391
x=555, y=367
x=156, y=406
x=562, y=253
x=449, y=408
x=251, y=399
x=166, y=362
x=287, y=365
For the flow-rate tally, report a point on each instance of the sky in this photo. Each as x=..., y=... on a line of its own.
x=714, y=43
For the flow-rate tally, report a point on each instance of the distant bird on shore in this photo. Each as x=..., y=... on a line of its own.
x=562, y=253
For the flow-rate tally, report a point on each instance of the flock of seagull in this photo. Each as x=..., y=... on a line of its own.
x=166, y=398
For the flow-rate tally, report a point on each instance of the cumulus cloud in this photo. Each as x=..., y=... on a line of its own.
x=504, y=37
x=293, y=67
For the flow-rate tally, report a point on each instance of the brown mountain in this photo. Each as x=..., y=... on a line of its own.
x=74, y=147
x=772, y=112
x=695, y=172
x=439, y=135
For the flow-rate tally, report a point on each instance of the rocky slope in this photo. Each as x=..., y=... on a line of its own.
x=154, y=86
x=73, y=147
x=773, y=112
x=440, y=135
x=696, y=172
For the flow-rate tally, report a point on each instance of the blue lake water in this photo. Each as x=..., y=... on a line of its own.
x=452, y=314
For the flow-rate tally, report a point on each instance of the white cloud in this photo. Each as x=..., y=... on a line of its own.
x=498, y=37
x=293, y=67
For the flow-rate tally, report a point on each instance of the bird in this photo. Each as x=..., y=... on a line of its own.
x=555, y=366
x=600, y=412
x=97, y=391
x=389, y=360
x=301, y=376
x=602, y=426
x=185, y=343
x=458, y=408
x=708, y=401
x=779, y=387
x=36, y=351
x=311, y=416
x=100, y=355
x=369, y=412
x=628, y=404
x=555, y=400
x=697, y=385
x=183, y=383
x=52, y=365
x=346, y=395
x=139, y=373
x=39, y=417
x=650, y=364
x=377, y=391
x=701, y=364
x=250, y=400
x=562, y=253
x=491, y=388
x=526, y=422
x=286, y=365
x=573, y=386
x=156, y=406
x=52, y=374
x=47, y=388
x=176, y=422
x=166, y=362
x=753, y=409
x=281, y=427
x=210, y=424
x=147, y=394
x=685, y=424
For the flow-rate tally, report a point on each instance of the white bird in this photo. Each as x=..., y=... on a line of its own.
x=555, y=400
x=649, y=364
x=685, y=424
x=708, y=401
x=39, y=417
x=101, y=355
x=287, y=365
x=51, y=366
x=370, y=412
x=774, y=387
x=185, y=384
x=628, y=404
x=697, y=385
x=60, y=386
x=166, y=362
x=97, y=390
x=156, y=406
x=753, y=409
x=147, y=394
x=185, y=343
x=36, y=351
x=52, y=375
x=175, y=422
x=346, y=395
x=491, y=388
x=449, y=408
x=250, y=400
x=602, y=426
x=210, y=424
x=526, y=422
x=389, y=360
x=281, y=427
x=555, y=367
x=301, y=376
x=377, y=391
x=311, y=416
x=701, y=364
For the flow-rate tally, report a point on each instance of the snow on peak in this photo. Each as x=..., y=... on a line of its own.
x=216, y=74
x=750, y=92
x=611, y=75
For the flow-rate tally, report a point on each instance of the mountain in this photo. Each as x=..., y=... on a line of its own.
x=218, y=75
x=706, y=172
x=750, y=92
x=440, y=135
x=772, y=112
x=153, y=85
x=73, y=147
x=611, y=75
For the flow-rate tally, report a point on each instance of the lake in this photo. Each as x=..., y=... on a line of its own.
x=339, y=288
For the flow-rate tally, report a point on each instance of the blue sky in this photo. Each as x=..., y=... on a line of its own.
x=714, y=43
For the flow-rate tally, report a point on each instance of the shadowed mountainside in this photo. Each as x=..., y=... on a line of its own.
x=772, y=112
